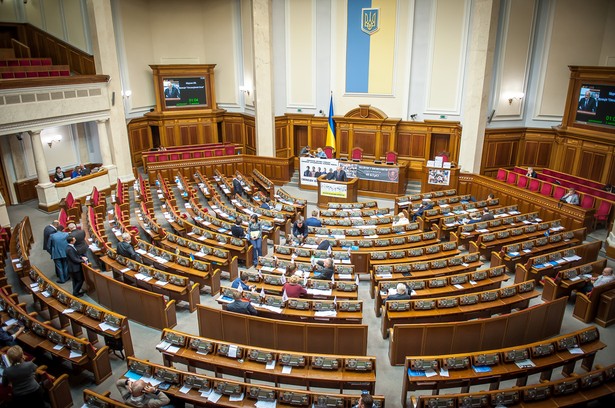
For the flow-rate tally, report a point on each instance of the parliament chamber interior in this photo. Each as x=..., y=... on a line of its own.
x=262, y=202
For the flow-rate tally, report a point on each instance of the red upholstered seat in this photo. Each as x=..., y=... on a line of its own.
x=175, y=156
x=356, y=154
x=501, y=175
x=151, y=158
x=186, y=155
x=390, y=157
x=229, y=150
x=328, y=151
x=546, y=189
x=197, y=154
x=511, y=178
x=602, y=213
x=208, y=153
x=219, y=152
x=559, y=192
x=587, y=201
x=522, y=181
x=534, y=185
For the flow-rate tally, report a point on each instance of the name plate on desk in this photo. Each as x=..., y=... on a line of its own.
x=334, y=190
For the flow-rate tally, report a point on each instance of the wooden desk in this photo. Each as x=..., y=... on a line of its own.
x=275, y=307
x=462, y=307
x=545, y=356
x=251, y=392
x=141, y=305
x=462, y=283
x=49, y=296
x=275, y=334
x=525, y=326
x=250, y=361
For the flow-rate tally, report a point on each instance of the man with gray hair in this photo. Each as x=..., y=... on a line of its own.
x=141, y=394
x=401, y=293
x=124, y=248
x=79, y=235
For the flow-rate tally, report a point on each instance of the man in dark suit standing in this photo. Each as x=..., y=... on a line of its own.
x=237, y=185
x=339, y=174
x=240, y=306
x=79, y=235
x=74, y=266
x=49, y=229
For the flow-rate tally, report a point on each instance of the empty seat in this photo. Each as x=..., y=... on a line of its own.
x=501, y=175
x=522, y=181
x=559, y=192
x=602, y=213
x=587, y=201
x=546, y=189
x=534, y=185
x=511, y=178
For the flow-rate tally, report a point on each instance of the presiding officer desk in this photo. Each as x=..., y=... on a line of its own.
x=341, y=372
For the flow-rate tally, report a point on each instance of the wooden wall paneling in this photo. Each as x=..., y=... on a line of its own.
x=467, y=337
x=282, y=143
x=319, y=137
x=419, y=144
x=300, y=138
x=289, y=334
x=367, y=139
x=441, y=338
x=402, y=144
x=342, y=141
x=250, y=147
x=439, y=143
x=188, y=134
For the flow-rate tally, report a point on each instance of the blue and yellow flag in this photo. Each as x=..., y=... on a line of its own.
x=370, y=47
x=331, y=127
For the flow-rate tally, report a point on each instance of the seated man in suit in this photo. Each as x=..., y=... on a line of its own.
x=265, y=205
x=531, y=173
x=427, y=204
x=313, y=221
x=305, y=151
x=338, y=175
x=401, y=293
x=487, y=215
x=606, y=277
x=571, y=197
x=323, y=244
x=241, y=306
x=327, y=271
x=124, y=248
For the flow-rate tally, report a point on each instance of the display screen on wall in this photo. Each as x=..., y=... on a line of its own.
x=184, y=92
x=596, y=105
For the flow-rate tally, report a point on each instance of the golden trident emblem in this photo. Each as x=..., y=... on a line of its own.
x=370, y=21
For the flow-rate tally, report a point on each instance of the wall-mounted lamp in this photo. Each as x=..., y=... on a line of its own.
x=244, y=89
x=413, y=116
x=50, y=139
x=515, y=96
x=126, y=94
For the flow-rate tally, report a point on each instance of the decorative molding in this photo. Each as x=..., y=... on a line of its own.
x=498, y=84
x=40, y=124
x=288, y=52
x=543, y=68
x=462, y=62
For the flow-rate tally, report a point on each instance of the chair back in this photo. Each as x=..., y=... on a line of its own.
x=328, y=151
x=356, y=153
x=390, y=157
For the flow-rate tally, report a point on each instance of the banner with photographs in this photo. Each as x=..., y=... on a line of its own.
x=310, y=168
x=334, y=190
x=440, y=177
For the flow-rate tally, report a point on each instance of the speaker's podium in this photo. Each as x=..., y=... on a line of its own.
x=332, y=191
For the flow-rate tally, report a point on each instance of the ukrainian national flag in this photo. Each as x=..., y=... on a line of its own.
x=370, y=47
x=330, y=127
